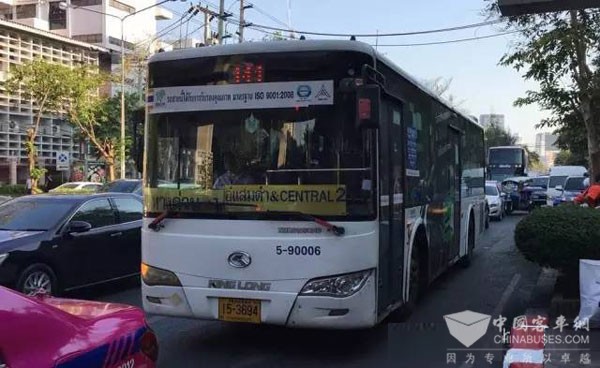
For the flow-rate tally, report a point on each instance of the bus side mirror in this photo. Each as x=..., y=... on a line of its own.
x=367, y=107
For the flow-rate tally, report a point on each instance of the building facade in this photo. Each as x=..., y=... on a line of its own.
x=546, y=148
x=18, y=44
x=93, y=21
x=488, y=120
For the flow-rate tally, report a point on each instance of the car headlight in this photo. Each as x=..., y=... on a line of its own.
x=157, y=276
x=493, y=205
x=3, y=257
x=340, y=286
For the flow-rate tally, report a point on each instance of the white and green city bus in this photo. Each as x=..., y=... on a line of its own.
x=301, y=183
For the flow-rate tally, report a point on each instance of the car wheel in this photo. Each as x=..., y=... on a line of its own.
x=37, y=277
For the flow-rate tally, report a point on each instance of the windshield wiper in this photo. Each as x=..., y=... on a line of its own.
x=156, y=224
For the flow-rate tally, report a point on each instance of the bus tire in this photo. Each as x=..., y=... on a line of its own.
x=465, y=261
x=417, y=282
x=487, y=217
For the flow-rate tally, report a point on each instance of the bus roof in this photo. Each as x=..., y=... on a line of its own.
x=296, y=46
x=507, y=147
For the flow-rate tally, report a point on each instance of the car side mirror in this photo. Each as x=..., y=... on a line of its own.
x=503, y=195
x=559, y=188
x=76, y=227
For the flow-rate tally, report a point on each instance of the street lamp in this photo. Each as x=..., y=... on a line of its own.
x=64, y=6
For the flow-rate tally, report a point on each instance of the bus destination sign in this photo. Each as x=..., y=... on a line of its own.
x=240, y=96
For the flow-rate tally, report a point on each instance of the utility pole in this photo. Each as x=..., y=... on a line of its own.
x=241, y=31
x=206, y=26
x=221, y=17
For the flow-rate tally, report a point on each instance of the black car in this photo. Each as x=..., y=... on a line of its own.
x=123, y=186
x=64, y=242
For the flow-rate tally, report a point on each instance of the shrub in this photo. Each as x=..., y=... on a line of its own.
x=558, y=237
x=13, y=190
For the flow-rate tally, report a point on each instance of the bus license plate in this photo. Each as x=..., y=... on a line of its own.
x=239, y=310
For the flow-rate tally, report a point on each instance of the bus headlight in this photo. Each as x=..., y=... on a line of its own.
x=155, y=276
x=337, y=286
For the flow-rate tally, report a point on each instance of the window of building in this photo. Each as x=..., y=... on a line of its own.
x=57, y=16
x=26, y=11
x=121, y=6
x=86, y=2
x=89, y=38
x=116, y=41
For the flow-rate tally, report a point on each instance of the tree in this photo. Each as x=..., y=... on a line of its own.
x=572, y=137
x=496, y=136
x=275, y=36
x=43, y=83
x=561, y=51
x=134, y=111
x=87, y=111
x=441, y=87
x=566, y=157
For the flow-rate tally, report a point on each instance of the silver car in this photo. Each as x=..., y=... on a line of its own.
x=495, y=200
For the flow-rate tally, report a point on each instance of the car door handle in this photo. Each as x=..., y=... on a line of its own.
x=114, y=235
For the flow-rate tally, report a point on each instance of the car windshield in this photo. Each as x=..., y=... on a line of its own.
x=491, y=190
x=575, y=183
x=312, y=157
x=556, y=180
x=121, y=186
x=266, y=149
x=32, y=214
x=540, y=182
x=69, y=186
x=508, y=156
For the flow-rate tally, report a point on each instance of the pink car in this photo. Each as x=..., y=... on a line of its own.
x=46, y=332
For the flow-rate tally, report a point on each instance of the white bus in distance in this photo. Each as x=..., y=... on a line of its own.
x=302, y=183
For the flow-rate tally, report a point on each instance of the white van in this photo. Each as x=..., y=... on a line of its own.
x=558, y=175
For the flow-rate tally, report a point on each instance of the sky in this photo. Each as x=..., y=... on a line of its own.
x=477, y=79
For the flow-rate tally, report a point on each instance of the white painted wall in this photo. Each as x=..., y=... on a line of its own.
x=84, y=21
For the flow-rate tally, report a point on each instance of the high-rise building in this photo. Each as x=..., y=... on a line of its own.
x=20, y=43
x=93, y=21
x=488, y=120
x=546, y=148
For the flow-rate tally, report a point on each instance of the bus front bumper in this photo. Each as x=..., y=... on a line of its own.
x=277, y=308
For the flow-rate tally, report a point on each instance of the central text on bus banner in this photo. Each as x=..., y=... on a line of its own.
x=312, y=199
x=240, y=96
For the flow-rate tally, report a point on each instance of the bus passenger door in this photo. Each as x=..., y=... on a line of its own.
x=391, y=179
x=455, y=182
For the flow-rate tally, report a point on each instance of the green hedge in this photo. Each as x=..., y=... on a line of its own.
x=558, y=237
x=13, y=190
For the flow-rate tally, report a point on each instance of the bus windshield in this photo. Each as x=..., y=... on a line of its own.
x=312, y=160
x=507, y=156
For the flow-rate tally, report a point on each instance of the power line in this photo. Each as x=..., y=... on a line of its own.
x=450, y=41
x=179, y=22
x=375, y=35
x=273, y=18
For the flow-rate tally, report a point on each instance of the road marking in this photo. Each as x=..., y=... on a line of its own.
x=506, y=294
x=499, y=307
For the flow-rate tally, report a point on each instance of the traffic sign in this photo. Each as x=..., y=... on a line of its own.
x=63, y=161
